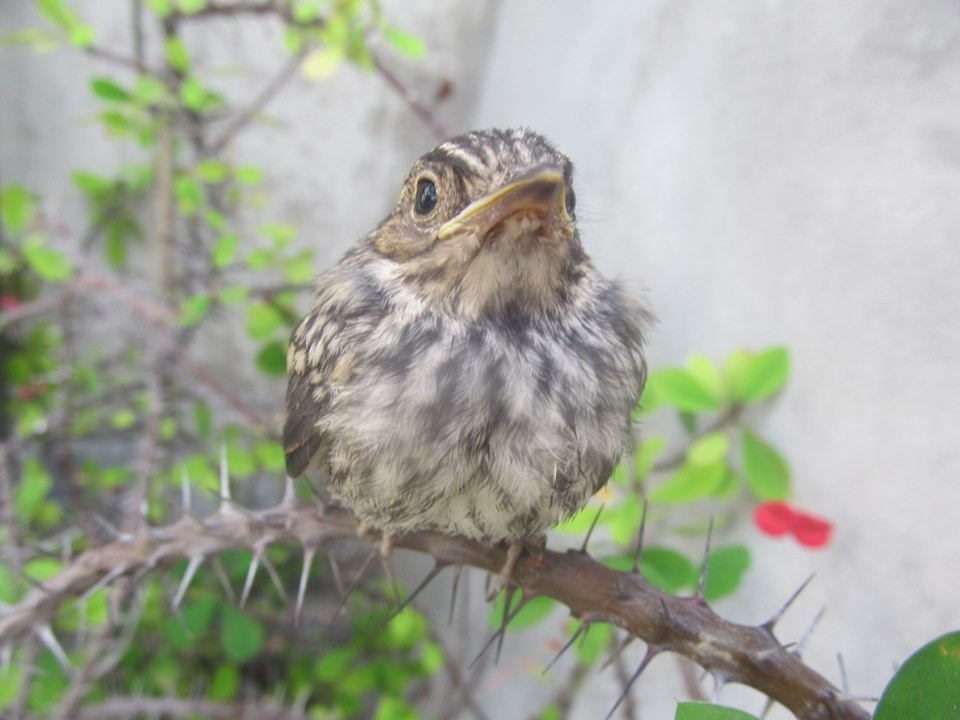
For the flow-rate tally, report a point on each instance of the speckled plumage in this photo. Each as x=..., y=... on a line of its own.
x=474, y=377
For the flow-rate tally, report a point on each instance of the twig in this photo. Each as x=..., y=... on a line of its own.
x=623, y=677
x=248, y=114
x=730, y=417
x=412, y=99
x=7, y=516
x=119, y=707
x=739, y=653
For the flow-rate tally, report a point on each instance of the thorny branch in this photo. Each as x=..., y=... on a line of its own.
x=751, y=655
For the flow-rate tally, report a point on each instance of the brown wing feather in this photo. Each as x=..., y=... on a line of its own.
x=306, y=404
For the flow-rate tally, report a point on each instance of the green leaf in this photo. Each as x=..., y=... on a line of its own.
x=394, y=708
x=927, y=685
x=248, y=175
x=407, y=629
x=225, y=683
x=767, y=473
x=334, y=664
x=579, y=522
x=93, y=185
x=149, y=91
x=189, y=194
x=690, y=483
x=647, y=454
x=668, y=569
x=710, y=449
x=764, y=374
x=177, y=55
x=194, y=309
x=162, y=8
x=107, y=89
x=593, y=643
x=239, y=459
x=82, y=35
x=224, y=250
x=298, y=270
x=123, y=419
x=16, y=208
x=705, y=372
x=10, y=681
x=191, y=7
x=679, y=388
x=241, y=636
x=263, y=320
x=233, y=294
x=431, y=657
x=202, y=419
x=709, y=711
x=186, y=627
x=280, y=233
x=725, y=569
x=272, y=359
x=624, y=519
x=34, y=487
x=533, y=612
x=323, y=62
x=212, y=171
x=270, y=455
x=8, y=585
x=405, y=43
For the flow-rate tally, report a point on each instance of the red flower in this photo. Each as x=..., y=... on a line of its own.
x=9, y=302
x=777, y=518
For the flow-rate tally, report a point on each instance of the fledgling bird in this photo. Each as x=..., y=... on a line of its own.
x=465, y=368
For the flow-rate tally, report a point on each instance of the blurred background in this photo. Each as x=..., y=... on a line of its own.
x=766, y=173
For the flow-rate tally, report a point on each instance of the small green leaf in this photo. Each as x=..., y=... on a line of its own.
x=177, y=55
x=202, y=419
x=431, y=657
x=263, y=320
x=580, y=522
x=161, y=8
x=334, y=664
x=593, y=643
x=123, y=419
x=233, y=294
x=16, y=208
x=8, y=585
x=927, y=685
x=212, y=171
x=394, y=708
x=624, y=519
x=10, y=681
x=533, y=612
x=280, y=233
x=679, y=388
x=705, y=372
x=189, y=194
x=647, y=454
x=82, y=35
x=765, y=374
x=405, y=43
x=710, y=449
x=93, y=185
x=191, y=7
x=323, y=62
x=241, y=636
x=107, y=89
x=149, y=90
x=194, y=309
x=272, y=359
x=767, y=473
x=270, y=455
x=690, y=483
x=49, y=264
x=225, y=683
x=248, y=175
x=725, y=569
x=224, y=250
x=407, y=629
x=709, y=711
x=239, y=459
x=183, y=629
x=33, y=489
x=667, y=569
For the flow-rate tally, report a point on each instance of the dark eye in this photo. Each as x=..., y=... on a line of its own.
x=426, y=199
x=571, y=201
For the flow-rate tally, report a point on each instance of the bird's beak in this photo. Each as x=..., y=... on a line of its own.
x=540, y=190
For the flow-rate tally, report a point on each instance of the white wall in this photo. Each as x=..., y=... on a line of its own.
x=771, y=172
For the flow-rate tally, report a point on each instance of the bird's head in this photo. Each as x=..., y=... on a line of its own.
x=485, y=223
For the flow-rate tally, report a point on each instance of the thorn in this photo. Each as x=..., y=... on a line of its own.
x=354, y=583
x=45, y=633
x=638, y=553
x=503, y=627
x=103, y=582
x=185, y=499
x=251, y=574
x=335, y=571
x=194, y=563
x=584, y=623
x=144, y=508
x=593, y=525
x=224, y=580
x=299, y=706
x=275, y=578
x=437, y=568
x=453, y=593
x=109, y=527
x=385, y=552
x=801, y=643
x=651, y=653
x=508, y=598
x=767, y=707
x=224, y=478
x=702, y=582
x=769, y=624
x=309, y=554
x=844, y=681
x=616, y=653
x=289, y=498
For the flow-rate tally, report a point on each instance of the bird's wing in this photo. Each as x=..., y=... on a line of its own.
x=308, y=398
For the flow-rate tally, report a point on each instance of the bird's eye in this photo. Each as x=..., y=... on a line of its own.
x=426, y=199
x=571, y=199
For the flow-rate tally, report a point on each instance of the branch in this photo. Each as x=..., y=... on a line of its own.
x=731, y=652
x=134, y=707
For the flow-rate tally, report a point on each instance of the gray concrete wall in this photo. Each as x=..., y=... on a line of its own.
x=770, y=172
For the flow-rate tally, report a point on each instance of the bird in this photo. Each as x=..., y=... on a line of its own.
x=464, y=367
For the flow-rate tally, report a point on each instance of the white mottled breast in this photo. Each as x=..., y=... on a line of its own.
x=494, y=428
